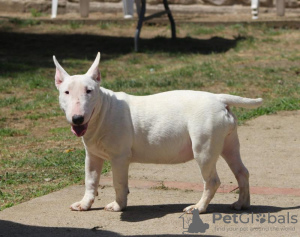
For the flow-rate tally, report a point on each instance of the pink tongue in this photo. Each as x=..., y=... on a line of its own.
x=79, y=130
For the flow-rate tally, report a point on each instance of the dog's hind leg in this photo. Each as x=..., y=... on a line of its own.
x=231, y=154
x=120, y=168
x=206, y=154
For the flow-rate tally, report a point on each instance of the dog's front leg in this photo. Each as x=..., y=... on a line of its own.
x=120, y=180
x=93, y=168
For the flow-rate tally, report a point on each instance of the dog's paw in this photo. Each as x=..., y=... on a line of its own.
x=239, y=206
x=190, y=209
x=82, y=205
x=113, y=206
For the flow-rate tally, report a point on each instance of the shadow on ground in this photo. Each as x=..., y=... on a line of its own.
x=132, y=214
x=142, y=213
x=36, y=50
x=12, y=229
x=9, y=228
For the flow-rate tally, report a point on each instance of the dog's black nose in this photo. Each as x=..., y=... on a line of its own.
x=77, y=119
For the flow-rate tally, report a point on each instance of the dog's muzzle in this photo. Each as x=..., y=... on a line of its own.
x=78, y=128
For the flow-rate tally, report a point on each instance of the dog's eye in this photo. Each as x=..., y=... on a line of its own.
x=67, y=92
x=88, y=91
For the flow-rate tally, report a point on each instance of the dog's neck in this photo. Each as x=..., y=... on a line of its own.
x=103, y=104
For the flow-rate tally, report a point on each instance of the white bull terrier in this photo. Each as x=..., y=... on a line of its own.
x=166, y=128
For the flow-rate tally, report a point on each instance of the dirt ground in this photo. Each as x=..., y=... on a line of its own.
x=270, y=150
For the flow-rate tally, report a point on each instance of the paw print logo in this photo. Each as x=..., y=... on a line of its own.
x=261, y=218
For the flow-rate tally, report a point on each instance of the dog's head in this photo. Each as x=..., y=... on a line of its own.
x=78, y=95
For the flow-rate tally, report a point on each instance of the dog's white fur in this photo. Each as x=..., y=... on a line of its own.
x=165, y=128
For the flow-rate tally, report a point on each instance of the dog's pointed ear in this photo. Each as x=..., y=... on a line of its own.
x=60, y=74
x=94, y=72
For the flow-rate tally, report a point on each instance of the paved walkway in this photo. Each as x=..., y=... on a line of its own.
x=165, y=185
x=158, y=193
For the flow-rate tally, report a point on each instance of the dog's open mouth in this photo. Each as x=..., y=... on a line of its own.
x=79, y=130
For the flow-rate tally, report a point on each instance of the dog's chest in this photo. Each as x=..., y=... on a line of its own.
x=97, y=149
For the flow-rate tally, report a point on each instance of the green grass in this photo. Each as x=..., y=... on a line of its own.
x=202, y=30
x=10, y=132
x=35, y=13
x=39, y=154
x=75, y=25
x=38, y=116
x=24, y=22
x=9, y=101
x=39, y=172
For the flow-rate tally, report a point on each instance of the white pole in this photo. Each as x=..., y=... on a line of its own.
x=54, y=8
x=128, y=8
x=254, y=9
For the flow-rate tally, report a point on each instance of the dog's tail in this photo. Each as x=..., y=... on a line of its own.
x=237, y=101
